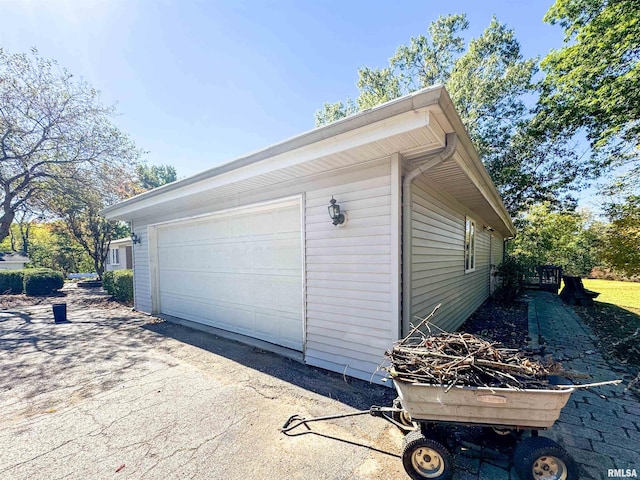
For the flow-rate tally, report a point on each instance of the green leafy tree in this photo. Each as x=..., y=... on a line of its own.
x=77, y=203
x=49, y=245
x=550, y=237
x=593, y=82
x=53, y=129
x=79, y=217
x=52, y=247
x=621, y=248
x=154, y=176
x=489, y=82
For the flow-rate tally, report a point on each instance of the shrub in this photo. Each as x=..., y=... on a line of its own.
x=511, y=280
x=107, y=282
x=42, y=281
x=123, y=285
x=11, y=281
x=603, y=273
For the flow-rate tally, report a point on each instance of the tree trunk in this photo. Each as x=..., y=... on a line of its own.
x=96, y=264
x=5, y=221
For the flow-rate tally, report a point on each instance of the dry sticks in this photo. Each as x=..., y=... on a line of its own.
x=464, y=359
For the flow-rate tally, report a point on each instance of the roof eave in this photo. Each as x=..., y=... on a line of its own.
x=446, y=104
x=415, y=101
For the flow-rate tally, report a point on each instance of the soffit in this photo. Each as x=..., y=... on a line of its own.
x=451, y=177
x=418, y=141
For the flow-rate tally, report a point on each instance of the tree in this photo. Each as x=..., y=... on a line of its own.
x=25, y=219
x=50, y=246
x=53, y=129
x=155, y=176
x=552, y=237
x=489, y=82
x=593, y=82
x=621, y=248
x=79, y=219
x=76, y=204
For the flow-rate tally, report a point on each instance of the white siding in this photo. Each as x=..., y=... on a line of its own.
x=11, y=266
x=437, y=258
x=497, y=249
x=122, y=255
x=141, y=277
x=350, y=322
x=349, y=317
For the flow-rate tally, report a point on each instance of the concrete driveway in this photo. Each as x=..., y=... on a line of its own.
x=117, y=394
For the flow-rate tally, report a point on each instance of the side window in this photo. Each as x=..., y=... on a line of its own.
x=469, y=245
x=115, y=256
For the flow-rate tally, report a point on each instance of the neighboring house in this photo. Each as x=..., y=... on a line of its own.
x=13, y=261
x=120, y=255
x=248, y=247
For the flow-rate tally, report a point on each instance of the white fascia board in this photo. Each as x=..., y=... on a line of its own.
x=486, y=190
x=121, y=241
x=369, y=133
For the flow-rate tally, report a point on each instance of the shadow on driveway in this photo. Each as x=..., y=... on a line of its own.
x=352, y=392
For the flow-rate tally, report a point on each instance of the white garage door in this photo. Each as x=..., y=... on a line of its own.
x=240, y=271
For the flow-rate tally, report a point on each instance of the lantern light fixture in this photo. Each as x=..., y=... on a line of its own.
x=135, y=238
x=334, y=212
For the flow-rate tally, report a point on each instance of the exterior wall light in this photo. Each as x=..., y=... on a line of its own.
x=135, y=238
x=334, y=212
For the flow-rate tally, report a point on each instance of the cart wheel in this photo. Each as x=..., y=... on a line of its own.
x=402, y=417
x=426, y=458
x=540, y=458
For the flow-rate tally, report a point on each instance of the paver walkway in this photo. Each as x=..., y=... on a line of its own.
x=599, y=428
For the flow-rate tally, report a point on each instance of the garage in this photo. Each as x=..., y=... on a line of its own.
x=250, y=246
x=240, y=270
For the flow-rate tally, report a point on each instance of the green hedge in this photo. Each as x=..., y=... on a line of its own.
x=42, y=281
x=119, y=284
x=510, y=275
x=11, y=281
x=107, y=282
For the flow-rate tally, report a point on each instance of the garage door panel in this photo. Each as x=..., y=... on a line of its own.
x=271, y=253
x=240, y=272
x=263, y=324
x=276, y=293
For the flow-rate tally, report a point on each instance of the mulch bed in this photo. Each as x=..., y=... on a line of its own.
x=616, y=330
x=68, y=294
x=617, y=333
x=507, y=323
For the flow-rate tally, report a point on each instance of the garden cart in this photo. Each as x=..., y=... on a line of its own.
x=421, y=410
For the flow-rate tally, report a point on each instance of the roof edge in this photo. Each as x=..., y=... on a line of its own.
x=449, y=110
x=419, y=99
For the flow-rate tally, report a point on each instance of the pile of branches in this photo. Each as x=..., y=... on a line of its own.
x=465, y=359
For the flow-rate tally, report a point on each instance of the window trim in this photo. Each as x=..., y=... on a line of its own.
x=114, y=256
x=470, y=240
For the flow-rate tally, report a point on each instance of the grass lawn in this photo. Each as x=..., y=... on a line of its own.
x=615, y=317
x=622, y=294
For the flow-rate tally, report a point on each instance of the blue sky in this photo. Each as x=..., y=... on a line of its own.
x=198, y=83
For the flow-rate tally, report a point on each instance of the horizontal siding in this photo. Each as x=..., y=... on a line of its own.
x=348, y=275
x=497, y=249
x=142, y=279
x=437, y=259
x=349, y=322
x=496, y=254
x=335, y=321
